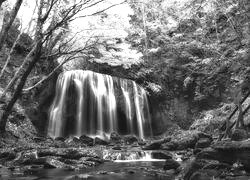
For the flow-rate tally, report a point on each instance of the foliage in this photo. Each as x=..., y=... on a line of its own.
x=206, y=38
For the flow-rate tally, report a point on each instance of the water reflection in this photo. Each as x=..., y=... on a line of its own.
x=108, y=171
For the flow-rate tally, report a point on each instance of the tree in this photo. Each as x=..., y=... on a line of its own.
x=45, y=39
x=33, y=57
x=7, y=25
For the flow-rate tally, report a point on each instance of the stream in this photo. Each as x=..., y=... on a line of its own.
x=132, y=170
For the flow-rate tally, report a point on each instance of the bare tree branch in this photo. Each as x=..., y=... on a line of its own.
x=6, y=27
x=53, y=2
x=10, y=54
x=98, y=12
x=72, y=55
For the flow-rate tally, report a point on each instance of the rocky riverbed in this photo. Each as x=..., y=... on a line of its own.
x=189, y=155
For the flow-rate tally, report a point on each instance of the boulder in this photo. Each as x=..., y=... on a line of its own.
x=170, y=146
x=27, y=157
x=117, y=148
x=115, y=137
x=39, y=139
x=54, y=163
x=99, y=141
x=76, y=140
x=157, y=144
x=188, y=139
x=171, y=164
x=93, y=159
x=153, y=146
x=141, y=142
x=213, y=154
x=87, y=140
x=228, y=152
x=239, y=135
x=208, y=174
x=7, y=154
x=203, y=143
x=205, y=170
x=204, y=135
x=60, y=139
x=197, y=150
x=194, y=166
x=130, y=139
x=161, y=155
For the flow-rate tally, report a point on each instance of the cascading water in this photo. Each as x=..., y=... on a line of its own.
x=96, y=104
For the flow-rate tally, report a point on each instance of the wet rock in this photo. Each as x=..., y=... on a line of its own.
x=170, y=146
x=68, y=153
x=239, y=178
x=229, y=152
x=153, y=146
x=130, y=139
x=193, y=167
x=7, y=154
x=115, y=137
x=217, y=166
x=197, y=150
x=76, y=140
x=117, y=148
x=102, y=172
x=239, y=135
x=185, y=143
x=213, y=154
x=59, y=144
x=161, y=155
x=185, y=154
x=27, y=157
x=205, y=175
x=93, y=159
x=188, y=139
x=12, y=168
x=203, y=143
x=80, y=177
x=156, y=145
x=53, y=163
x=204, y=135
x=210, y=170
x=131, y=171
x=141, y=142
x=39, y=139
x=100, y=141
x=171, y=164
x=29, y=170
x=86, y=140
x=60, y=139
x=35, y=167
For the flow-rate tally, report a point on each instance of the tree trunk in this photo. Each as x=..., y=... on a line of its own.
x=18, y=90
x=18, y=73
x=33, y=59
x=6, y=27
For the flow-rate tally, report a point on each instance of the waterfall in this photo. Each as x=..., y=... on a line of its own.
x=95, y=104
x=128, y=156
